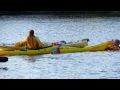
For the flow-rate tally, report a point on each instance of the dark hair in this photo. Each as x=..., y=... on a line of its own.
x=31, y=32
x=117, y=41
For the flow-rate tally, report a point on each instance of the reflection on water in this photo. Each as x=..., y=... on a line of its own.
x=4, y=68
x=30, y=58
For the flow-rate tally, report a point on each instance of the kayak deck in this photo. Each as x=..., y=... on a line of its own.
x=64, y=49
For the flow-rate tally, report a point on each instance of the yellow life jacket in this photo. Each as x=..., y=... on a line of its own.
x=112, y=46
x=32, y=43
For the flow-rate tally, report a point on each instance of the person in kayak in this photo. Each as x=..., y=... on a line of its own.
x=31, y=42
x=113, y=45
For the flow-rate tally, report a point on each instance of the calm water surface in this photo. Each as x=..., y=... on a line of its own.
x=49, y=28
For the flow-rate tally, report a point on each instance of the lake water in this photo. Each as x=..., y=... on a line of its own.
x=50, y=28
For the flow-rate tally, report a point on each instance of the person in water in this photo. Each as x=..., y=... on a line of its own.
x=31, y=42
x=113, y=45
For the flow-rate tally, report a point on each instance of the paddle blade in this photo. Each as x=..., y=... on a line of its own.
x=3, y=59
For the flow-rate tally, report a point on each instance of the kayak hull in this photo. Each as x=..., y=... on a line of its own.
x=64, y=49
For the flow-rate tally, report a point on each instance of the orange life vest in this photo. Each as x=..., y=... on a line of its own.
x=112, y=46
x=32, y=42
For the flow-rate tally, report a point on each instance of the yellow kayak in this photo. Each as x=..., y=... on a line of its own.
x=63, y=49
x=79, y=44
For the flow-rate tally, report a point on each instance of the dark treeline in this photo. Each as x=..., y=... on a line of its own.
x=60, y=12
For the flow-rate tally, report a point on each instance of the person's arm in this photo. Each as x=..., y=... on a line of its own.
x=21, y=43
x=40, y=43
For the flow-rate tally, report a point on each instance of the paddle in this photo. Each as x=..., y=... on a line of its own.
x=6, y=44
x=3, y=59
x=54, y=51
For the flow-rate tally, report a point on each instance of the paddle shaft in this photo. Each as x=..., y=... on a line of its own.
x=6, y=44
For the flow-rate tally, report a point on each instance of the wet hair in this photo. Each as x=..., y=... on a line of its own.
x=31, y=32
x=117, y=42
